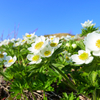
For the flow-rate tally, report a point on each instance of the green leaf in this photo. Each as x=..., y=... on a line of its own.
x=68, y=82
x=93, y=76
x=1, y=73
x=65, y=96
x=71, y=96
x=81, y=44
x=58, y=65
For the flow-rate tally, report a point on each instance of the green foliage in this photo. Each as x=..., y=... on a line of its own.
x=69, y=97
x=81, y=44
x=87, y=30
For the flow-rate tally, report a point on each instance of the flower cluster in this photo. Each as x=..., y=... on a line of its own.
x=87, y=24
x=42, y=47
x=40, y=61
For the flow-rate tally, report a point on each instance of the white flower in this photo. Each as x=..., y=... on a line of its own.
x=67, y=56
x=52, y=37
x=74, y=45
x=3, y=56
x=22, y=41
x=27, y=35
x=47, y=51
x=5, y=42
x=10, y=61
x=87, y=24
x=18, y=39
x=55, y=43
x=16, y=44
x=31, y=40
x=68, y=37
x=39, y=44
x=74, y=37
x=34, y=58
x=92, y=42
x=12, y=40
x=82, y=57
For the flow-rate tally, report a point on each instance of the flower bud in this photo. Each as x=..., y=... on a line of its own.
x=74, y=45
x=67, y=44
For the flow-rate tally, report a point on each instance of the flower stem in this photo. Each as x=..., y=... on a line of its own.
x=94, y=95
x=67, y=79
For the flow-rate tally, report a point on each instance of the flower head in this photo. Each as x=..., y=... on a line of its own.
x=27, y=35
x=52, y=37
x=47, y=51
x=3, y=56
x=82, y=57
x=68, y=37
x=9, y=61
x=67, y=56
x=16, y=44
x=34, y=58
x=39, y=44
x=55, y=43
x=92, y=42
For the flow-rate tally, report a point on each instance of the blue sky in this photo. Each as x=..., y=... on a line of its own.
x=47, y=16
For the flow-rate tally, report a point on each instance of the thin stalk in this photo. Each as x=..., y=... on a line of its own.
x=44, y=98
x=18, y=55
x=98, y=94
x=94, y=95
x=43, y=94
x=67, y=79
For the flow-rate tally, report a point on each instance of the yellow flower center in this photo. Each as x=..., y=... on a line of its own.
x=47, y=53
x=67, y=58
x=35, y=58
x=53, y=44
x=28, y=35
x=1, y=55
x=11, y=60
x=23, y=40
x=16, y=44
x=83, y=56
x=52, y=38
x=38, y=45
x=98, y=43
x=72, y=36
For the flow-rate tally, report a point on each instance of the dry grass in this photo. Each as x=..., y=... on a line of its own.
x=58, y=34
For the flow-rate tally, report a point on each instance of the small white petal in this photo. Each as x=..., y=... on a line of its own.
x=96, y=53
x=89, y=60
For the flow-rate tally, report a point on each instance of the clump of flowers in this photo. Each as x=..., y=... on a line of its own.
x=88, y=27
x=87, y=24
x=36, y=62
